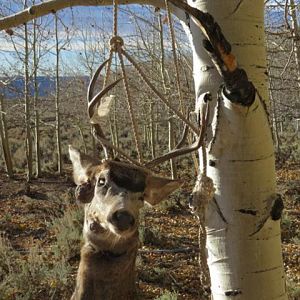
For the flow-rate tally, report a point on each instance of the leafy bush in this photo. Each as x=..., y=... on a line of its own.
x=168, y=296
x=45, y=272
x=67, y=231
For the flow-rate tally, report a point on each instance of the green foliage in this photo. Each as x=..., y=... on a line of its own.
x=293, y=290
x=289, y=149
x=168, y=296
x=286, y=222
x=68, y=232
x=45, y=272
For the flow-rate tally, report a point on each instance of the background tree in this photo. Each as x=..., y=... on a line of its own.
x=241, y=217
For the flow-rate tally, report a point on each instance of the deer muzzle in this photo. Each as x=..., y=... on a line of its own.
x=122, y=220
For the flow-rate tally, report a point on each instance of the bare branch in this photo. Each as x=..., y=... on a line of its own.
x=182, y=151
x=52, y=6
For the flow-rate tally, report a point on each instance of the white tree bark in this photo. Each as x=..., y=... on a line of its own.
x=243, y=240
x=57, y=100
x=28, y=138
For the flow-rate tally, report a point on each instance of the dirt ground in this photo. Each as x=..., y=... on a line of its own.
x=26, y=209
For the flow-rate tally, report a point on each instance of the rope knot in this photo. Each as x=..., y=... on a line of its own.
x=116, y=43
x=202, y=193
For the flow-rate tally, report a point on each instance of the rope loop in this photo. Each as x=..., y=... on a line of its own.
x=202, y=194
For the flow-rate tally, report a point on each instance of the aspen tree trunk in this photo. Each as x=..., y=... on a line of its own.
x=4, y=140
x=275, y=124
x=296, y=37
x=35, y=101
x=243, y=242
x=152, y=133
x=167, y=92
x=28, y=139
x=82, y=138
x=242, y=222
x=296, y=44
x=57, y=101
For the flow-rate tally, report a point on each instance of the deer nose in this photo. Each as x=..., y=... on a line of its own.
x=122, y=219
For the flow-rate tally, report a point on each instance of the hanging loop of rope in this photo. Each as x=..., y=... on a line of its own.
x=117, y=48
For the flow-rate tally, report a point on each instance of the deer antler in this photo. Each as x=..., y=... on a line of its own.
x=93, y=101
x=182, y=151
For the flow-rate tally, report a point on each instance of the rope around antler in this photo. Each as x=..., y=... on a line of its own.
x=116, y=43
x=129, y=103
x=158, y=94
x=202, y=194
x=116, y=46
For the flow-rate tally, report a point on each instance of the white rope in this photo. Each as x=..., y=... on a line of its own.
x=202, y=194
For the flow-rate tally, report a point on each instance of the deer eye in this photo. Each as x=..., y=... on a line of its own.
x=101, y=182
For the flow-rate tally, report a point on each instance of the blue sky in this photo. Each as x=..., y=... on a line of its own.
x=76, y=20
x=89, y=19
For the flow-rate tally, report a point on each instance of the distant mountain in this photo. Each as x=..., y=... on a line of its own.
x=46, y=85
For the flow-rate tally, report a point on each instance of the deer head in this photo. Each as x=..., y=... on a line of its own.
x=113, y=192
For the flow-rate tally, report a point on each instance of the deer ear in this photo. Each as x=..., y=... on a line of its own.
x=82, y=172
x=82, y=164
x=159, y=188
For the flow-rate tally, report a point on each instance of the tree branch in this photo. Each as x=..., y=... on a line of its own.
x=237, y=86
x=52, y=6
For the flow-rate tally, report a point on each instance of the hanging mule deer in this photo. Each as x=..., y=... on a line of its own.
x=113, y=193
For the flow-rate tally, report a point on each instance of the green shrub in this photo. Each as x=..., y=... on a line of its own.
x=44, y=273
x=67, y=231
x=168, y=296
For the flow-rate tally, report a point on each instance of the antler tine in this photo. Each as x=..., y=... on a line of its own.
x=182, y=151
x=183, y=137
x=94, y=79
x=97, y=130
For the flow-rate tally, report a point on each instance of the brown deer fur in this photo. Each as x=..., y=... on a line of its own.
x=112, y=193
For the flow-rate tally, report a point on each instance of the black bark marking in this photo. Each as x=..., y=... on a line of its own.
x=251, y=160
x=208, y=46
x=31, y=10
x=248, y=211
x=236, y=8
x=267, y=270
x=188, y=20
x=277, y=208
x=215, y=130
x=265, y=107
x=238, y=89
x=255, y=108
x=211, y=163
x=219, y=211
x=260, y=226
x=233, y=292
